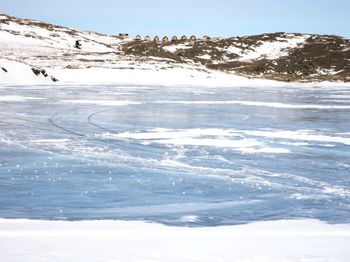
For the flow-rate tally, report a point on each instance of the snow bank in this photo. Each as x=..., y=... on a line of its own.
x=169, y=77
x=20, y=73
x=294, y=240
x=172, y=77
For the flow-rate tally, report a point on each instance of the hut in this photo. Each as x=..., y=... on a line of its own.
x=137, y=38
x=156, y=39
x=183, y=38
x=165, y=40
x=147, y=39
x=193, y=38
x=174, y=40
x=206, y=38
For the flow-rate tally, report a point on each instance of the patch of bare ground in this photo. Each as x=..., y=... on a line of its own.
x=319, y=58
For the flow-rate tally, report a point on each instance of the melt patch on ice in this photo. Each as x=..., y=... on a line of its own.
x=220, y=138
x=303, y=135
x=258, y=104
x=189, y=218
x=16, y=98
x=101, y=102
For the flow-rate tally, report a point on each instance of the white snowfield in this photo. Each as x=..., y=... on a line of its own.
x=287, y=240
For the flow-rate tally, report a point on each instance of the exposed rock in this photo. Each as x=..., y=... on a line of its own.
x=4, y=69
x=36, y=71
x=43, y=72
x=54, y=79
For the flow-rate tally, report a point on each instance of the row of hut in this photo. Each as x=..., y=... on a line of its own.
x=174, y=39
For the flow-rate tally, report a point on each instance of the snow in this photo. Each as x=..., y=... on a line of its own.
x=9, y=40
x=230, y=138
x=286, y=240
x=100, y=61
x=322, y=71
x=56, y=37
x=146, y=75
x=219, y=138
x=269, y=49
x=234, y=50
x=176, y=47
x=170, y=77
x=20, y=73
x=304, y=135
x=206, y=56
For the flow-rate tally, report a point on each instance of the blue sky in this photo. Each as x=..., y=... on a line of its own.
x=212, y=17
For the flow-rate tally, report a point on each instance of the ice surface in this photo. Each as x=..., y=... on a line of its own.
x=175, y=155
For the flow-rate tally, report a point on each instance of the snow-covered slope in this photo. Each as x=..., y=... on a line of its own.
x=13, y=72
x=33, y=44
x=46, y=45
x=102, y=58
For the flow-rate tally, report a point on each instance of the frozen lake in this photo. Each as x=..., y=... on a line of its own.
x=178, y=156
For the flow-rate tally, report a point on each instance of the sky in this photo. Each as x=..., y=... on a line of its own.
x=199, y=17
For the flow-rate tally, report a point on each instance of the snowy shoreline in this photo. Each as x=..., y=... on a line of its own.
x=285, y=240
x=21, y=74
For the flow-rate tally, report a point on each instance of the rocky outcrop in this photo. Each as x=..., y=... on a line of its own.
x=38, y=71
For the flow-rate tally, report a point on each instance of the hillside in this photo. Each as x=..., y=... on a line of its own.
x=47, y=48
x=280, y=56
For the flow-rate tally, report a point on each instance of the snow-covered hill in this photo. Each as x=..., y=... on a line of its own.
x=49, y=46
x=28, y=45
x=49, y=53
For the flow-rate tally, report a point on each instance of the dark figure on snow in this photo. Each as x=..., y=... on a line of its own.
x=77, y=44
